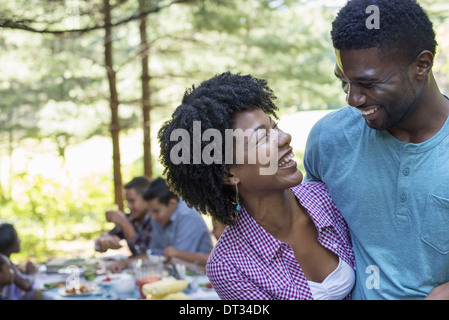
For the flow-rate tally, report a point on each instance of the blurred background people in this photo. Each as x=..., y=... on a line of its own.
x=179, y=232
x=22, y=286
x=134, y=227
x=6, y=275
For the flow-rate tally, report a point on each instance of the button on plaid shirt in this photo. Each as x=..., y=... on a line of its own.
x=248, y=263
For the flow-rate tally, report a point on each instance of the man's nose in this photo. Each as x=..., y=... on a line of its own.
x=355, y=96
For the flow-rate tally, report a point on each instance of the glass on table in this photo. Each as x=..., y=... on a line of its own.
x=147, y=271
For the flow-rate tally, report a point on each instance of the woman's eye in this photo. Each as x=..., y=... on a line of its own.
x=262, y=137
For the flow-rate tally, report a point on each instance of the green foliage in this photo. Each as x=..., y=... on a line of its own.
x=45, y=211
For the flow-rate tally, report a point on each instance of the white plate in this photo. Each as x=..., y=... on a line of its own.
x=93, y=290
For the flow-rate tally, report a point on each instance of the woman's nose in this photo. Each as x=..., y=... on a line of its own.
x=284, y=138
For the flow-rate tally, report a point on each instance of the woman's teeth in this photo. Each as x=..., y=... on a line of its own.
x=286, y=161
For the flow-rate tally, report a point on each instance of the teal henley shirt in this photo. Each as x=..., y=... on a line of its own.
x=395, y=199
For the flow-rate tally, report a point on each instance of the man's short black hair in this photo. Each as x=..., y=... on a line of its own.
x=140, y=184
x=405, y=30
x=158, y=189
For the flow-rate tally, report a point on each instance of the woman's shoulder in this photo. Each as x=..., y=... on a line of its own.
x=315, y=197
x=317, y=188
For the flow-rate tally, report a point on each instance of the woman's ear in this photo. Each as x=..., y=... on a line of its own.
x=230, y=178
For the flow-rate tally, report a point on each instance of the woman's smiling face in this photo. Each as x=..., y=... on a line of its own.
x=264, y=143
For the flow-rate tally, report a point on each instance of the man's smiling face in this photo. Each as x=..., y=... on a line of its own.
x=379, y=88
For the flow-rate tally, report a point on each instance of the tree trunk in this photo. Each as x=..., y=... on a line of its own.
x=146, y=106
x=115, y=121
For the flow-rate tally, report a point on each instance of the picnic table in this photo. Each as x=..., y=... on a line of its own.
x=88, y=279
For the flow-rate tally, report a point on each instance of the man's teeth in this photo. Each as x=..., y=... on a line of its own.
x=287, y=160
x=370, y=111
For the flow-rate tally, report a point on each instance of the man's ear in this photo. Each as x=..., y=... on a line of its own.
x=422, y=65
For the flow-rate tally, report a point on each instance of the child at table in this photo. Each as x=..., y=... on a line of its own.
x=22, y=287
x=178, y=232
x=6, y=275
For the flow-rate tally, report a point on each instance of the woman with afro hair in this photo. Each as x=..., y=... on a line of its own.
x=284, y=239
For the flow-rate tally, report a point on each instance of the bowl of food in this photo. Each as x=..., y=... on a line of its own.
x=122, y=284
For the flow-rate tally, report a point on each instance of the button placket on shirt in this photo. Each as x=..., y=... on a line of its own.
x=298, y=288
x=406, y=171
x=404, y=181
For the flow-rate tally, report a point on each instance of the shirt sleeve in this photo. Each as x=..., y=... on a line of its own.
x=116, y=231
x=156, y=244
x=230, y=284
x=137, y=245
x=192, y=235
x=312, y=160
x=142, y=240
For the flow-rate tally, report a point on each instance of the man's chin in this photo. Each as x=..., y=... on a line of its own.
x=376, y=125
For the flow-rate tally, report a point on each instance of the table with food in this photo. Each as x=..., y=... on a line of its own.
x=90, y=279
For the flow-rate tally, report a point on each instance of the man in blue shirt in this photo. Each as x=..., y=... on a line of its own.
x=179, y=232
x=385, y=157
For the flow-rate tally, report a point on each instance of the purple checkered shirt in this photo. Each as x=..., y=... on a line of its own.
x=248, y=263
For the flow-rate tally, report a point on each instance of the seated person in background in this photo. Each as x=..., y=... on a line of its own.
x=201, y=258
x=22, y=287
x=6, y=275
x=179, y=232
x=134, y=227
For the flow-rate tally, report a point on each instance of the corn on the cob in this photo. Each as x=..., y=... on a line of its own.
x=163, y=287
x=170, y=296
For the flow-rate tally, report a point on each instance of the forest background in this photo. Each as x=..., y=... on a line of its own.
x=86, y=85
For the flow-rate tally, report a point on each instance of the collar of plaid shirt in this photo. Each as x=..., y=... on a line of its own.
x=265, y=243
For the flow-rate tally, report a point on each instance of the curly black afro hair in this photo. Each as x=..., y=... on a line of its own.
x=404, y=31
x=214, y=103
